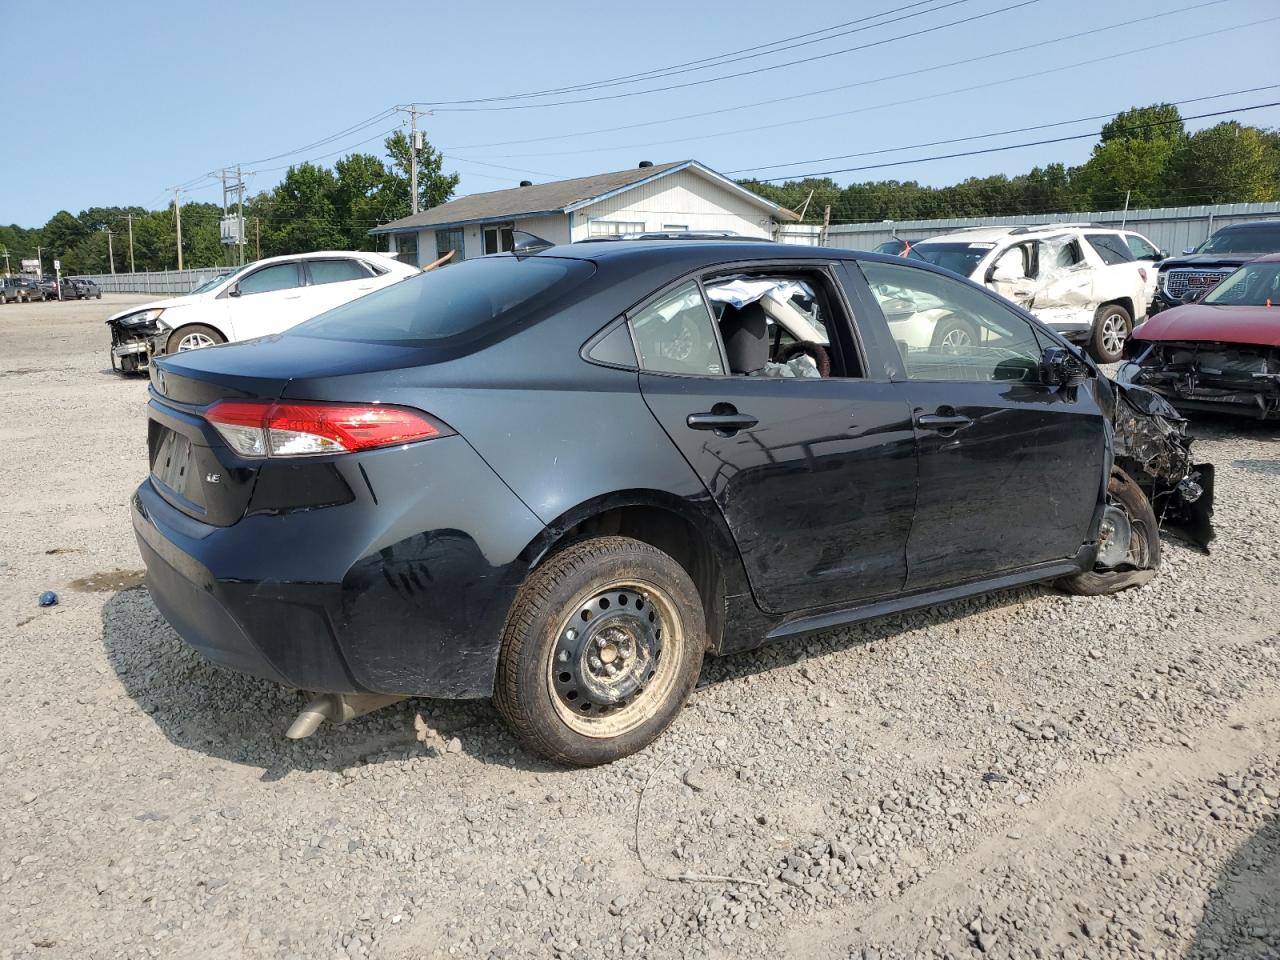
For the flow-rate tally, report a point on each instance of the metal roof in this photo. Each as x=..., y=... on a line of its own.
x=560, y=196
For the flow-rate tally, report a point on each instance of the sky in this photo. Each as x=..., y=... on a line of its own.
x=151, y=94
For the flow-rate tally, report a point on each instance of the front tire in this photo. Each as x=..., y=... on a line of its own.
x=1111, y=328
x=602, y=649
x=1129, y=555
x=193, y=336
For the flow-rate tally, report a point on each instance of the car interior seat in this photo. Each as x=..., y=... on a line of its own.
x=745, y=331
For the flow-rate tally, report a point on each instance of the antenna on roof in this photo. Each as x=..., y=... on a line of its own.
x=526, y=244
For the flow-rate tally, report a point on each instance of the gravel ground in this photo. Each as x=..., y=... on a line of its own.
x=1026, y=775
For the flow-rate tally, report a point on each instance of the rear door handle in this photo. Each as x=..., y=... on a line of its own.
x=723, y=423
x=934, y=421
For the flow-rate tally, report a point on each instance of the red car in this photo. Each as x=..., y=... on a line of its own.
x=1219, y=352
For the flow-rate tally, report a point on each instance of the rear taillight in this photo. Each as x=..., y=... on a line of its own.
x=256, y=428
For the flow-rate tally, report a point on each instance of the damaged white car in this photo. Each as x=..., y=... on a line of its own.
x=1082, y=281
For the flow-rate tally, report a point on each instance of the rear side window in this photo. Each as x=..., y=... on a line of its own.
x=280, y=276
x=676, y=334
x=473, y=296
x=336, y=271
x=1110, y=247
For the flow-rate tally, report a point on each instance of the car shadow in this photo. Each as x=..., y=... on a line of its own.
x=1240, y=919
x=199, y=706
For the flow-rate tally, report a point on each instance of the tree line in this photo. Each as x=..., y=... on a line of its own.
x=312, y=208
x=1144, y=155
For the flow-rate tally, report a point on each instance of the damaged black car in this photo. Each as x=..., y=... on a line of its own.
x=561, y=477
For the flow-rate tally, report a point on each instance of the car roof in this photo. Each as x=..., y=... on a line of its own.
x=1250, y=225
x=708, y=250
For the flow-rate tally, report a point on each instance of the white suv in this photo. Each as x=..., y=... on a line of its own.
x=265, y=297
x=1083, y=281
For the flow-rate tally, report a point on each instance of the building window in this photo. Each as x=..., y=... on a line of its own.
x=498, y=239
x=407, y=248
x=614, y=228
x=447, y=240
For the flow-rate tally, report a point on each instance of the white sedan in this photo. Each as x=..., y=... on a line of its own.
x=263, y=298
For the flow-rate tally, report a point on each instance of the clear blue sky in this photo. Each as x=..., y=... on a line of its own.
x=133, y=98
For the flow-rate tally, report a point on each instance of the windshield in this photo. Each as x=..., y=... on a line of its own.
x=961, y=258
x=450, y=301
x=1253, y=285
x=210, y=284
x=1244, y=240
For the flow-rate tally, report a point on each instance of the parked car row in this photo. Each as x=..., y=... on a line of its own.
x=29, y=289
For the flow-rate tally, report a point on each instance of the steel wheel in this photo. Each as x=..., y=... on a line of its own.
x=194, y=341
x=1122, y=539
x=607, y=675
x=957, y=338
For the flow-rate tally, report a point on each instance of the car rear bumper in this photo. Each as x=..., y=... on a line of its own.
x=390, y=595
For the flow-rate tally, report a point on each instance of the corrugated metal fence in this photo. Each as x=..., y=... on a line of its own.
x=1172, y=229
x=169, y=282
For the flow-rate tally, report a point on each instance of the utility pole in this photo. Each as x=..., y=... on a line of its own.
x=40, y=262
x=111, y=256
x=240, y=237
x=6, y=261
x=826, y=224
x=415, y=144
x=129, y=218
x=177, y=219
x=1125, y=216
x=257, y=238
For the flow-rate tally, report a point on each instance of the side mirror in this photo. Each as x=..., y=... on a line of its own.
x=1060, y=367
x=1188, y=251
x=234, y=291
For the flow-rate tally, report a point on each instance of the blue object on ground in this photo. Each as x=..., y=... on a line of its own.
x=48, y=599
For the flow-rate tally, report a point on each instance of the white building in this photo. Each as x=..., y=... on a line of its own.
x=684, y=195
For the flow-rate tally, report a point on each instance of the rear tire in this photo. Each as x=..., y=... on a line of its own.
x=1141, y=559
x=192, y=337
x=952, y=334
x=601, y=650
x=1111, y=328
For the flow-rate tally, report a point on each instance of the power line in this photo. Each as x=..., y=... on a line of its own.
x=1002, y=81
x=1012, y=146
x=1021, y=48
x=759, y=70
x=363, y=124
x=720, y=60
x=997, y=133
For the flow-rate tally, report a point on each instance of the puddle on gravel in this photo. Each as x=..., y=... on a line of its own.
x=110, y=581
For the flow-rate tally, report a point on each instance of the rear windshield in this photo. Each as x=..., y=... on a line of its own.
x=450, y=301
x=1247, y=240
x=961, y=258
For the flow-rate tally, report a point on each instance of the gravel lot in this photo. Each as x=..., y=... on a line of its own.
x=1025, y=775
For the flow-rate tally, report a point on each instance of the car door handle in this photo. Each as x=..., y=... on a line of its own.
x=721, y=422
x=292, y=296
x=935, y=421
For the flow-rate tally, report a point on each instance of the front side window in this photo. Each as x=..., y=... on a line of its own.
x=336, y=271
x=948, y=330
x=1141, y=249
x=1110, y=248
x=448, y=241
x=498, y=240
x=278, y=276
x=676, y=334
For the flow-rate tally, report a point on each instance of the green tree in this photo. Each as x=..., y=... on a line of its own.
x=1159, y=121
x=1226, y=163
x=434, y=185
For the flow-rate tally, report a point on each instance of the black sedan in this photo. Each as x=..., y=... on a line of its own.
x=559, y=477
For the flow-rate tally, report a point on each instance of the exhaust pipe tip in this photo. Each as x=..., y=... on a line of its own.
x=337, y=708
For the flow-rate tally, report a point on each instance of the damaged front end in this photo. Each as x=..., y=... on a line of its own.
x=135, y=338
x=1241, y=379
x=1151, y=445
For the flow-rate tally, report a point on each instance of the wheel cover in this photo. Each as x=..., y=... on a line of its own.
x=955, y=339
x=616, y=658
x=1114, y=332
x=194, y=341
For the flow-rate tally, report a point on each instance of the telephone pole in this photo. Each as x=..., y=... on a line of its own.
x=6, y=261
x=129, y=218
x=826, y=224
x=240, y=237
x=257, y=238
x=415, y=144
x=177, y=219
x=111, y=256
